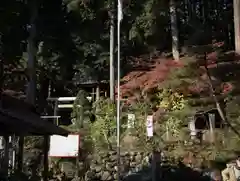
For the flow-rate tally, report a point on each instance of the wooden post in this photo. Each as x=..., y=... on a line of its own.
x=6, y=156
x=11, y=152
x=77, y=167
x=93, y=93
x=20, y=153
x=153, y=165
x=46, y=144
x=167, y=133
x=97, y=93
x=45, y=157
x=55, y=113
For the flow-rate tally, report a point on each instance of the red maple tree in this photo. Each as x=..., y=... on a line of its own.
x=145, y=80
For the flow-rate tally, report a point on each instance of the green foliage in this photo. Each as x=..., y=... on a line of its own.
x=141, y=110
x=103, y=130
x=175, y=107
x=188, y=81
x=81, y=110
x=99, y=134
x=177, y=111
x=31, y=142
x=67, y=37
x=170, y=101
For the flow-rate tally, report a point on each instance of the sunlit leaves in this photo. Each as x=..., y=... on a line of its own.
x=103, y=130
x=174, y=104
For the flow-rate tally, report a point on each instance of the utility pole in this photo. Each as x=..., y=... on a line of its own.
x=112, y=35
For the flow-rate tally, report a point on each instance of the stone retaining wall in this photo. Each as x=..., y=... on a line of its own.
x=103, y=167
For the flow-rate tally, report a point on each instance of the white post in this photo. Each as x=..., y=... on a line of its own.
x=97, y=93
x=167, y=134
x=112, y=79
x=192, y=128
x=212, y=126
x=118, y=85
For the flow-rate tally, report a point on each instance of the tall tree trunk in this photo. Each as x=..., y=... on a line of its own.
x=236, y=8
x=31, y=87
x=1, y=66
x=174, y=27
x=186, y=11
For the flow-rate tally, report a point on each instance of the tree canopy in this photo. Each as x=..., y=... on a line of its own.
x=72, y=38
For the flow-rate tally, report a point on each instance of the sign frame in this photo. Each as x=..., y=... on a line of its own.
x=64, y=156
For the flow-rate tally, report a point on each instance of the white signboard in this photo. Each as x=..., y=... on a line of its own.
x=131, y=120
x=149, y=125
x=192, y=127
x=61, y=146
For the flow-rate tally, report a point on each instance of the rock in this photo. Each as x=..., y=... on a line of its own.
x=104, y=160
x=81, y=166
x=109, y=166
x=89, y=175
x=106, y=155
x=133, y=153
x=127, y=154
x=122, y=154
x=112, y=153
x=133, y=164
x=146, y=160
x=90, y=157
x=98, y=175
x=127, y=162
x=104, y=166
x=126, y=167
x=92, y=167
x=101, y=153
x=106, y=175
x=98, y=168
x=132, y=158
x=138, y=158
x=138, y=168
x=76, y=179
x=115, y=176
x=122, y=160
x=113, y=158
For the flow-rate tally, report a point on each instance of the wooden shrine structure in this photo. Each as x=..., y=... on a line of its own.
x=18, y=118
x=91, y=84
